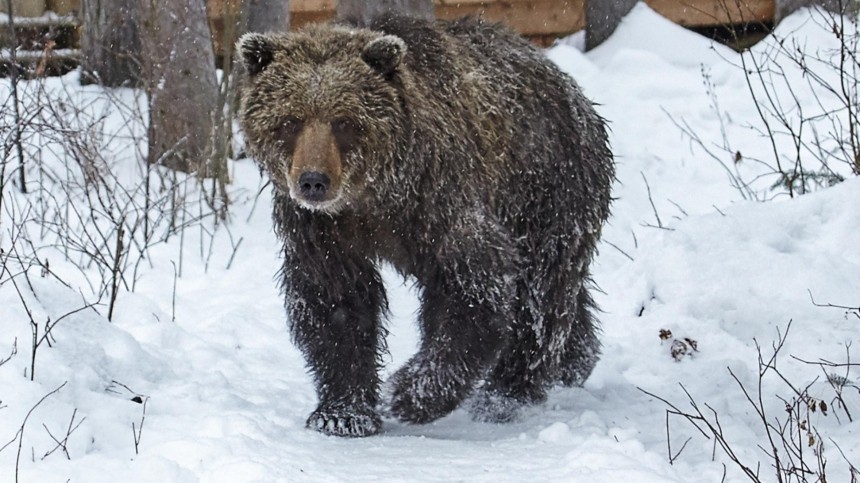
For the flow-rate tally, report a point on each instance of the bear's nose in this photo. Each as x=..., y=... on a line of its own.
x=313, y=185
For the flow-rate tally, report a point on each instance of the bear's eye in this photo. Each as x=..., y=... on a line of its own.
x=290, y=125
x=288, y=130
x=345, y=133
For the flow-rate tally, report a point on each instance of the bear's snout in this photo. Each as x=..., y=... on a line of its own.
x=316, y=175
x=313, y=186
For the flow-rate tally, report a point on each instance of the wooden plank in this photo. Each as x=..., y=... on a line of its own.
x=24, y=8
x=33, y=33
x=216, y=7
x=529, y=17
x=449, y=3
x=542, y=17
x=545, y=18
x=64, y=7
x=312, y=6
x=320, y=5
x=698, y=13
x=533, y=18
x=300, y=19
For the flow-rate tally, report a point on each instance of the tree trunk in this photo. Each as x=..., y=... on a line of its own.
x=264, y=16
x=362, y=12
x=110, y=43
x=601, y=19
x=253, y=16
x=179, y=69
x=246, y=16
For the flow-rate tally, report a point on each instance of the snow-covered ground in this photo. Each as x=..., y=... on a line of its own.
x=227, y=394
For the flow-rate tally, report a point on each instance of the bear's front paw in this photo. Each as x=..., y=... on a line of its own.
x=420, y=394
x=345, y=421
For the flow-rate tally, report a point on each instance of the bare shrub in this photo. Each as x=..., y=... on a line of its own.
x=793, y=448
x=93, y=205
x=813, y=128
x=19, y=435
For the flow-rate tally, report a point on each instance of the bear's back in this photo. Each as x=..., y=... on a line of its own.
x=528, y=122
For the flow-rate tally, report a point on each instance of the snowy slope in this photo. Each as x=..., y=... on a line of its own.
x=227, y=393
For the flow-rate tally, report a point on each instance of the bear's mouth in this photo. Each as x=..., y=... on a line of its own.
x=331, y=206
x=316, y=198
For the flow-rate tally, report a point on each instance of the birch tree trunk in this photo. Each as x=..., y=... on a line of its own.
x=362, y=12
x=179, y=71
x=110, y=44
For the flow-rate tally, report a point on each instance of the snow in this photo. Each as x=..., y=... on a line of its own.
x=47, y=18
x=31, y=55
x=227, y=394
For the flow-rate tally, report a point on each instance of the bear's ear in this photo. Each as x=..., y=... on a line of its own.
x=255, y=52
x=384, y=54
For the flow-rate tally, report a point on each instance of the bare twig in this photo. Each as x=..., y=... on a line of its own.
x=848, y=310
x=619, y=250
x=19, y=436
x=14, y=78
x=653, y=207
x=62, y=444
x=787, y=440
x=138, y=431
x=115, y=270
x=12, y=354
x=173, y=299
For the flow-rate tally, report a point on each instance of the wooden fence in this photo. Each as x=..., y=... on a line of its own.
x=541, y=20
x=530, y=17
x=547, y=19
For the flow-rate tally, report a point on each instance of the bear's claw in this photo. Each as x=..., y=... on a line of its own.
x=348, y=422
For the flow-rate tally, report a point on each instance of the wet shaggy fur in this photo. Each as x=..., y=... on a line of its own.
x=467, y=160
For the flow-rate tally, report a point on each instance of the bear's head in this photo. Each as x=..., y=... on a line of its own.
x=319, y=110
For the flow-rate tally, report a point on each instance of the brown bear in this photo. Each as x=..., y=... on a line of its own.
x=458, y=153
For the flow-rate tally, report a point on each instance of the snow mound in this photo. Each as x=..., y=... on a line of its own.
x=643, y=29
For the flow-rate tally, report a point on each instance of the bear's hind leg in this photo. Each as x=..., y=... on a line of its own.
x=460, y=341
x=519, y=378
x=468, y=291
x=509, y=388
